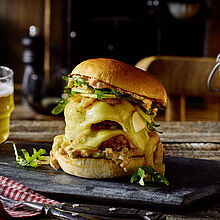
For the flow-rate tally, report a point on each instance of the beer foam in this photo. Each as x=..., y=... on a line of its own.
x=5, y=89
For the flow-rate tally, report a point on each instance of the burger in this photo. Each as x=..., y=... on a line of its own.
x=109, y=114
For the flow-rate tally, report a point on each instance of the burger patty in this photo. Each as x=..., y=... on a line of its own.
x=107, y=124
x=116, y=148
x=117, y=143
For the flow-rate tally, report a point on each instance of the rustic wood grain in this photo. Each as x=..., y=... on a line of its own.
x=35, y=131
x=173, y=132
x=190, y=132
x=184, y=139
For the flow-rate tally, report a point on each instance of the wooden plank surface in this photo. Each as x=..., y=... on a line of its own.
x=190, y=132
x=35, y=131
x=173, y=132
x=184, y=139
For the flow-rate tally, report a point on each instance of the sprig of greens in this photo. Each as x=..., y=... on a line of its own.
x=78, y=81
x=62, y=104
x=143, y=171
x=155, y=105
x=100, y=94
x=151, y=126
x=60, y=107
x=65, y=78
x=28, y=160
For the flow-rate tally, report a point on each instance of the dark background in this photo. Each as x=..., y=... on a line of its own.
x=130, y=30
x=122, y=29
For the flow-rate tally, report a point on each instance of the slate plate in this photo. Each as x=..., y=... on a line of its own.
x=191, y=181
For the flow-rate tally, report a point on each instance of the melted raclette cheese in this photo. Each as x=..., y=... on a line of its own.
x=79, y=120
x=79, y=135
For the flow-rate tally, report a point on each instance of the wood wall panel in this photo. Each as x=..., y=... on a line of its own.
x=15, y=19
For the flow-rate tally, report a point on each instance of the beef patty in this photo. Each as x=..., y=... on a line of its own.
x=107, y=124
x=117, y=143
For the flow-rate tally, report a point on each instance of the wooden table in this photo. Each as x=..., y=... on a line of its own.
x=185, y=139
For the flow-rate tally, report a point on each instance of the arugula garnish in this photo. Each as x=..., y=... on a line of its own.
x=62, y=104
x=60, y=107
x=151, y=126
x=143, y=171
x=155, y=105
x=78, y=81
x=65, y=78
x=27, y=160
x=100, y=93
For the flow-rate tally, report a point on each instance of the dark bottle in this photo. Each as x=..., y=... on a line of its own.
x=36, y=92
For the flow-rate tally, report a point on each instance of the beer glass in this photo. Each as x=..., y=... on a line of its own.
x=6, y=101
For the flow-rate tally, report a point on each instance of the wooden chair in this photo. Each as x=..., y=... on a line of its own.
x=181, y=76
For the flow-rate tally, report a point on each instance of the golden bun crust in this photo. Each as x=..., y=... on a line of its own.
x=95, y=168
x=124, y=76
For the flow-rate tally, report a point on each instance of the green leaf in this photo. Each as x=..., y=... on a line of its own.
x=156, y=105
x=62, y=104
x=41, y=151
x=118, y=94
x=102, y=92
x=151, y=126
x=155, y=125
x=67, y=91
x=65, y=78
x=18, y=158
x=158, y=178
x=60, y=107
x=28, y=161
x=26, y=155
x=78, y=81
x=99, y=94
x=96, y=154
x=141, y=173
x=134, y=178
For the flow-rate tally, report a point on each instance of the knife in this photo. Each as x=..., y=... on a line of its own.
x=88, y=211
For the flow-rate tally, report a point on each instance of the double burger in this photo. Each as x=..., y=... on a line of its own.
x=109, y=113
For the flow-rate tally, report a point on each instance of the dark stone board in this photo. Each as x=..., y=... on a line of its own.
x=191, y=181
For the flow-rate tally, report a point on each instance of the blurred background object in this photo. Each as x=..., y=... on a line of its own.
x=125, y=30
x=39, y=90
x=186, y=81
x=183, y=9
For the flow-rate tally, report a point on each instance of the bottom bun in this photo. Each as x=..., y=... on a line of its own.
x=95, y=167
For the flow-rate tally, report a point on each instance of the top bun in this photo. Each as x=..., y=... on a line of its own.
x=124, y=76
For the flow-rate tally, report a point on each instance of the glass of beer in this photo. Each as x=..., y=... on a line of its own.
x=6, y=101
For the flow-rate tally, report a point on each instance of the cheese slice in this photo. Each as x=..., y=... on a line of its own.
x=79, y=120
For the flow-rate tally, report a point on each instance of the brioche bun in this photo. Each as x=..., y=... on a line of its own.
x=124, y=76
x=95, y=167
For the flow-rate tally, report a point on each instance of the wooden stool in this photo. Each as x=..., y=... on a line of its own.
x=181, y=76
